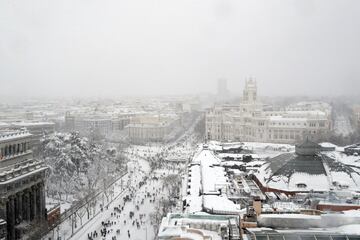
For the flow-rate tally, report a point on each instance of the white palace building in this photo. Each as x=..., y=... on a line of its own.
x=248, y=121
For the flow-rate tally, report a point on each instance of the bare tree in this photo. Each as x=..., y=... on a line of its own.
x=171, y=183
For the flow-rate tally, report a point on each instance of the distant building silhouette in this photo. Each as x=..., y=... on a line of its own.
x=222, y=90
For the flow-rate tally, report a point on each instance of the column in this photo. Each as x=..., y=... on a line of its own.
x=28, y=206
x=16, y=209
x=20, y=205
x=42, y=201
x=33, y=203
x=38, y=202
x=3, y=212
x=24, y=206
x=11, y=218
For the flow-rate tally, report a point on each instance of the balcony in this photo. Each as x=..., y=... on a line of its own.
x=23, y=169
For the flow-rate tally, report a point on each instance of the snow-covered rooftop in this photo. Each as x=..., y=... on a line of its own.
x=221, y=205
x=28, y=124
x=10, y=135
x=287, y=119
x=321, y=172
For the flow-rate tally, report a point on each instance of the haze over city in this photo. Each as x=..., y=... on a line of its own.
x=180, y=119
x=112, y=48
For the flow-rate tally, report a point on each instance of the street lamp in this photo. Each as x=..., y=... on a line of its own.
x=57, y=230
x=146, y=233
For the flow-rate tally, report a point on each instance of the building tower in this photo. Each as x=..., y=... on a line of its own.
x=250, y=91
x=250, y=104
x=222, y=87
x=222, y=90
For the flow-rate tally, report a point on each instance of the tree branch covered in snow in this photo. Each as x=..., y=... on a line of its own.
x=78, y=167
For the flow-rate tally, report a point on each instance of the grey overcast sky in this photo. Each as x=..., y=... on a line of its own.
x=122, y=47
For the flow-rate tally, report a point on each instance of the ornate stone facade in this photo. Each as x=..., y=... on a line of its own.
x=248, y=121
x=22, y=201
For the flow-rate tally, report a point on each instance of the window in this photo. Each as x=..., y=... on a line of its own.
x=301, y=185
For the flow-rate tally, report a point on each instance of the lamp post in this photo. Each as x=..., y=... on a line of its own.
x=146, y=233
x=57, y=230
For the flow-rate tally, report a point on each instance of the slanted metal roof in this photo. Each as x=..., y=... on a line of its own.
x=286, y=164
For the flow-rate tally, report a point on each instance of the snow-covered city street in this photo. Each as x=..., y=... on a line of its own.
x=135, y=197
x=179, y=120
x=128, y=218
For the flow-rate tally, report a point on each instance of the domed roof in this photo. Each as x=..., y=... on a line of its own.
x=288, y=163
x=307, y=148
x=309, y=170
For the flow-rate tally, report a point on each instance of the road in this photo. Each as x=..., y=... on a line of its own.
x=122, y=221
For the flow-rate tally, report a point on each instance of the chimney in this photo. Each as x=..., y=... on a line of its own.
x=257, y=205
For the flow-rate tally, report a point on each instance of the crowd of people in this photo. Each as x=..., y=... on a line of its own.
x=144, y=191
x=131, y=213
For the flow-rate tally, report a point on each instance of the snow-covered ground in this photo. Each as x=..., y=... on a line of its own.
x=65, y=229
x=122, y=221
x=138, y=170
x=52, y=202
x=262, y=150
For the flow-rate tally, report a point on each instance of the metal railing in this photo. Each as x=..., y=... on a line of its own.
x=82, y=203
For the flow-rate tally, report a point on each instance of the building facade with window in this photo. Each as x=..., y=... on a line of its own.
x=37, y=130
x=22, y=196
x=151, y=128
x=102, y=125
x=356, y=116
x=249, y=122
